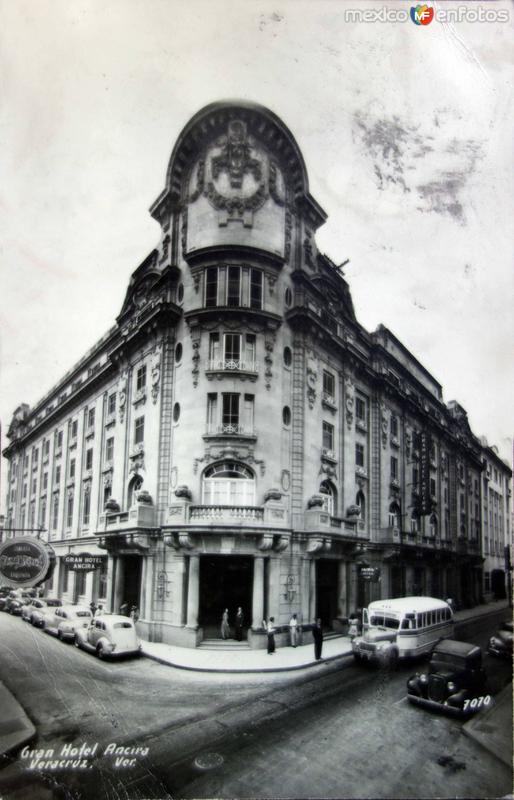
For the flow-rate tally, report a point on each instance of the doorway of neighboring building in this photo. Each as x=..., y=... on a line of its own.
x=225, y=582
x=132, y=570
x=326, y=591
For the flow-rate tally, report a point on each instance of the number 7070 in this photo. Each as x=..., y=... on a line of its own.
x=483, y=700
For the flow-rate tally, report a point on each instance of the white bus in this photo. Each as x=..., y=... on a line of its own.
x=401, y=628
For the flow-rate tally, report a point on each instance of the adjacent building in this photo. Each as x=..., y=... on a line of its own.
x=237, y=438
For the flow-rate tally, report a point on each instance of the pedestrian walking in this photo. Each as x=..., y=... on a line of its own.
x=353, y=630
x=293, y=630
x=269, y=627
x=239, y=624
x=317, y=634
x=134, y=614
x=99, y=610
x=92, y=606
x=225, y=627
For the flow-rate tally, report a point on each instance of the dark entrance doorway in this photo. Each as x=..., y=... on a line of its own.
x=132, y=566
x=225, y=582
x=326, y=591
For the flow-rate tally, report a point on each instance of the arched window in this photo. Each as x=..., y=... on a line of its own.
x=134, y=487
x=228, y=484
x=394, y=515
x=433, y=525
x=329, y=494
x=360, y=501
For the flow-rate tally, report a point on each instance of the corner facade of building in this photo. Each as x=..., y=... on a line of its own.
x=238, y=439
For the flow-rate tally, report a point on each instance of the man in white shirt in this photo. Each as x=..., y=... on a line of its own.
x=293, y=630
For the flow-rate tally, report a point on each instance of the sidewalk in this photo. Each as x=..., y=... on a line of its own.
x=15, y=727
x=285, y=658
x=492, y=728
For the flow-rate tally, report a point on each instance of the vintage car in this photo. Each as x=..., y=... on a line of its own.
x=17, y=600
x=65, y=621
x=501, y=643
x=39, y=615
x=455, y=682
x=109, y=635
x=35, y=604
x=5, y=591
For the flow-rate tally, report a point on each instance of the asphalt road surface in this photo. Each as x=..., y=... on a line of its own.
x=333, y=731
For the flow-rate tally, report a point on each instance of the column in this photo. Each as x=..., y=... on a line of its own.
x=110, y=583
x=193, y=591
x=258, y=592
x=341, y=589
x=385, y=581
x=274, y=588
x=90, y=576
x=312, y=591
x=118, y=598
x=354, y=579
x=304, y=577
x=147, y=581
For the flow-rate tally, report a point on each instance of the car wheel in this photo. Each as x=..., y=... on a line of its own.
x=76, y=642
x=100, y=652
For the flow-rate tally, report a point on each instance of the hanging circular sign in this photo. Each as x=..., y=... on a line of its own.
x=25, y=561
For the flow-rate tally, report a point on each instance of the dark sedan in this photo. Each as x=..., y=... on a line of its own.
x=501, y=643
x=455, y=682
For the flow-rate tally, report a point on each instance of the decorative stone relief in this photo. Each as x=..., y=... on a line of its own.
x=288, y=234
x=137, y=459
x=408, y=442
x=307, y=248
x=174, y=477
x=271, y=280
x=122, y=394
x=312, y=379
x=196, y=281
x=349, y=391
x=273, y=189
x=155, y=369
x=281, y=544
x=183, y=230
x=196, y=336
x=269, y=343
x=384, y=423
x=286, y=480
x=239, y=453
x=266, y=542
x=165, y=248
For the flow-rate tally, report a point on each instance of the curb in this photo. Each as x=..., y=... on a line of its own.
x=16, y=728
x=249, y=671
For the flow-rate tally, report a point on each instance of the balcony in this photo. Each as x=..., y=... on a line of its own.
x=140, y=516
x=229, y=429
x=216, y=514
x=270, y=514
x=391, y=534
x=219, y=368
x=317, y=519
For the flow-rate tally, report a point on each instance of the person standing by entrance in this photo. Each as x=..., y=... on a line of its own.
x=317, y=634
x=225, y=627
x=293, y=630
x=269, y=627
x=239, y=624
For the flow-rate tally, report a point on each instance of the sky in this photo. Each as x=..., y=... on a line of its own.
x=406, y=131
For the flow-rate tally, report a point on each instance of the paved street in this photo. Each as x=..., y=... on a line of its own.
x=335, y=731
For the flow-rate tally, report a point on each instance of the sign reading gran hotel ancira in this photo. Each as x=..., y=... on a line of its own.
x=25, y=561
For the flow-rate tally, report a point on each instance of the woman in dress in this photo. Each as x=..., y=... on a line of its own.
x=239, y=624
x=225, y=627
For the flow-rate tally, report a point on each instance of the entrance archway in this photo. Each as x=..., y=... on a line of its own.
x=225, y=582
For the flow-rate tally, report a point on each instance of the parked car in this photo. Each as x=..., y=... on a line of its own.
x=109, y=635
x=35, y=604
x=65, y=621
x=501, y=643
x=17, y=600
x=5, y=591
x=455, y=682
x=39, y=614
